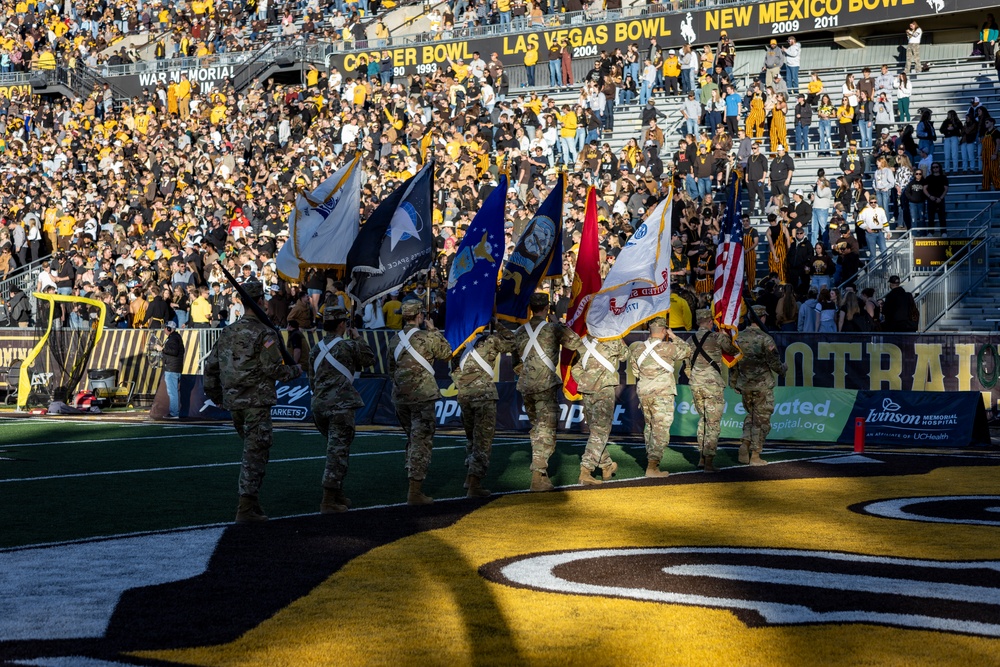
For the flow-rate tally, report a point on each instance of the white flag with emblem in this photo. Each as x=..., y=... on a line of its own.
x=323, y=224
x=637, y=287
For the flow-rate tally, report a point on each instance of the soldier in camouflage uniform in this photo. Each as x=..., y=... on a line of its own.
x=655, y=363
x=240, y=373
x=333, y=361
x=477, y=397
x=706, y=348
x=536, y=362
x=415, y=390
x=596, y=375
x=754, y=380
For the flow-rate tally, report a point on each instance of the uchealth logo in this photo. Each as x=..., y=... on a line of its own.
x=776, y=586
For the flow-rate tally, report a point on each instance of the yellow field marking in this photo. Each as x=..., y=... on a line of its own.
x=421, y=601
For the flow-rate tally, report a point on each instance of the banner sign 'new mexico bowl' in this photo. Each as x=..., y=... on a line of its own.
x=742, y=22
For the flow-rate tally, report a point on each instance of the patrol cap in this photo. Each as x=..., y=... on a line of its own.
x=759, y=311
x=658, y=323
x=412, y=307
x=703, y=314
x=254, y=289
x=334, y=313
x=538, y=301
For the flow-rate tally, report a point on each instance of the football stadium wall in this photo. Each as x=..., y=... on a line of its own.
x=742, y=21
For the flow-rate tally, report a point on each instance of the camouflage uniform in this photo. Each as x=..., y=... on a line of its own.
x=335, y=399
x=414, y=392
x=477, y=397
x=540, y=384
x=240, y=373
x=657, y=389
x=597, y=383
x=707, y=386
x=754, y=379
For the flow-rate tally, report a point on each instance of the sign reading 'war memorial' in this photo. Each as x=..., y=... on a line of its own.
x=751, y=21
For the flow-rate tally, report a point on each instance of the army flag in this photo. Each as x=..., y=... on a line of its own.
x=395, y=243
x=586, y=281
x=637, y=288
x=472, y=281
x=727, y=301
x=537, y=256
x=323, y=224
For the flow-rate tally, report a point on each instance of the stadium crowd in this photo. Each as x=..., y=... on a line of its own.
x=139, y=203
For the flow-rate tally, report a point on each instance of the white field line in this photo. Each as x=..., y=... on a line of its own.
x=123, y=440
x=211, y=465
x=180, y=529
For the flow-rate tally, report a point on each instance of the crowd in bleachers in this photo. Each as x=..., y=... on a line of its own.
x=140, y=202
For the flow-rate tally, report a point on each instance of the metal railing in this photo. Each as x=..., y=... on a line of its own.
x=169, y=64
x=937, y=296
x=24, y=278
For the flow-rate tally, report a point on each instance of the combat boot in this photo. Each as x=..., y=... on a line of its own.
x=341, y=499
x=755, y=459
x=415, y=496
x=587, y=477
x=475, y=490
x=653, y=469
x=744, y=452
x=540, y=481
x=608, y=472
x=701, y=460
x=709, y=467
x=330, y=503
x=249, y=510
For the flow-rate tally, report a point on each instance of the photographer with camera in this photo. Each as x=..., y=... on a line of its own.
x=847, y=251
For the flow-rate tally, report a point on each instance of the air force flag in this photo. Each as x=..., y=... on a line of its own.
x=472, y=282
x=395, y=244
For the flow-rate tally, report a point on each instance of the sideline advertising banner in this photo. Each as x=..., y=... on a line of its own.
x=294, y=400
x=811, y=414
x=907, y=418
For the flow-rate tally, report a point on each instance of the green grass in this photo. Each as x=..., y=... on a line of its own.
x=68, y=480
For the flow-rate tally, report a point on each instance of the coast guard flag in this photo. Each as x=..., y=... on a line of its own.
x=537, y=256
x=394, y=245
x=586, y=281
x=323, y=225
x=729, y=268
x=472, y=281
x=637, y=288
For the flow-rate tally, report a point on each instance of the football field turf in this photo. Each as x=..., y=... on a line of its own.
x=117, y=548
x=73, y=479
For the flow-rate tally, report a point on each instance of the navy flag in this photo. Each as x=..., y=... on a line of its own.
x=395, y=244
x=537, y=256
x=472, y=281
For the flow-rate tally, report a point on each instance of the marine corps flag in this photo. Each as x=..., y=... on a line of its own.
x=637, y=288
x=537, y=256
x=729, y=268
x=394, y=245
x=586, y=281
x=323, y=224
x=472, y=281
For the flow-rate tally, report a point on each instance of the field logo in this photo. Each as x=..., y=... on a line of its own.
x=795, y=587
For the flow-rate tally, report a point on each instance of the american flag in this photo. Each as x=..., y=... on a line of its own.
x=729, y=268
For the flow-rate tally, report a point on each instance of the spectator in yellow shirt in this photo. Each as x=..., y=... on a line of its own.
x=201, y=310
x=184, y=97
x=392, y=312
x=567, y=135
x=530, y=60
